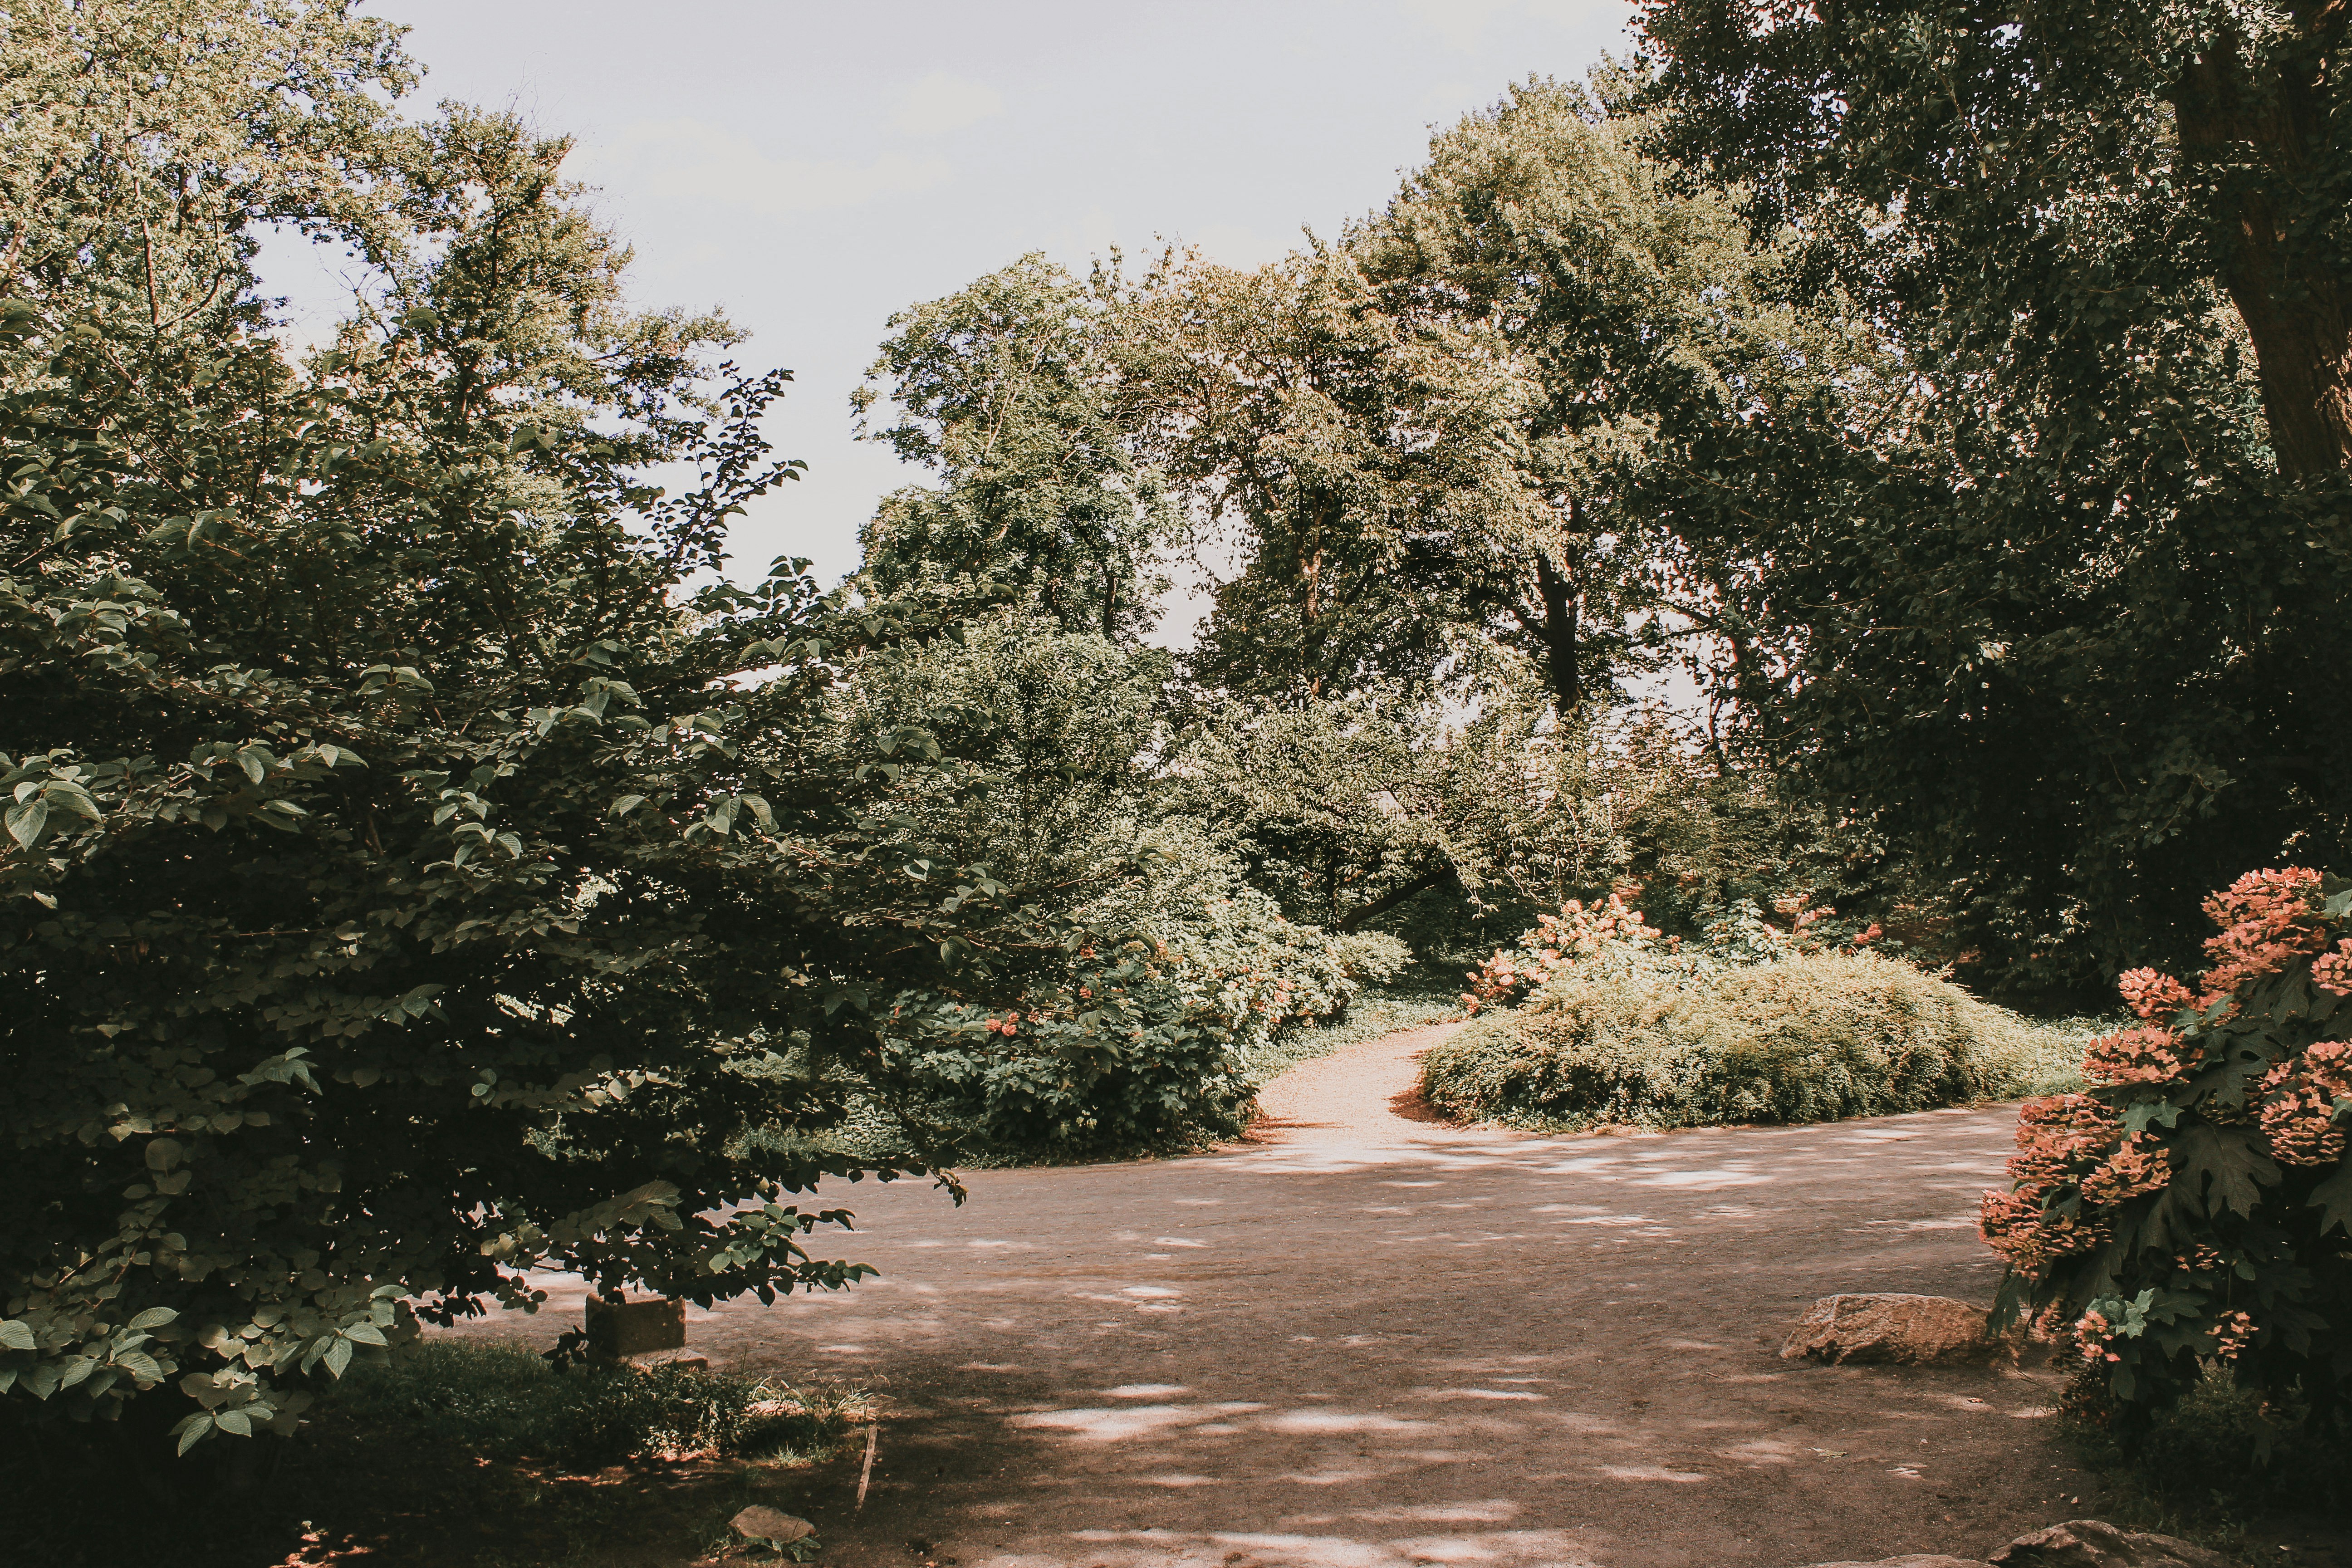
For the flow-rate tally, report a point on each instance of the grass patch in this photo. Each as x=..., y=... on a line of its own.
x=1814, y=1038
x=464, y=1454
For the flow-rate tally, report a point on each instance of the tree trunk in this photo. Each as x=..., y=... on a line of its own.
x=2255, y=137
x=1561, y=631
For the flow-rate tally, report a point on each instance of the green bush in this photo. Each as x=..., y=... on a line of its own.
x=1811, y=1038
x=1144, y=1042
x=499, y=1401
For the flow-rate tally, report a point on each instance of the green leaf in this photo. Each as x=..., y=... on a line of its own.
x=26, y=821
x=193, y=1431
x=141, y=1365
x=339, y=1356
x=2229, y=1158
x=2333, y=1198
x=17, y=1336
x=153, y=1318
x=235, y=1421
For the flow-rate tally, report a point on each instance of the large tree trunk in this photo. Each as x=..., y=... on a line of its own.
x=2257, y=137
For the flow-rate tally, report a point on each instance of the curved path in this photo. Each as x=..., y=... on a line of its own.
x=1363, y=1339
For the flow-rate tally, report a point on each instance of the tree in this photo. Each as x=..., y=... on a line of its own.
x=1006, y=387
x=2060, y=609
x=2095, y=160
x=1637, y=324
x=1339, y=448
x=409, y=879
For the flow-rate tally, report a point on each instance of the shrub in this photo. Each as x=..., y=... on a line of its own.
x=2192, y=1208
x=1371, y=957
x=1145, y=1040
x=1809, y=1037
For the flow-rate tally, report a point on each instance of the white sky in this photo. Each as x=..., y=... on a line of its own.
x=811, y=168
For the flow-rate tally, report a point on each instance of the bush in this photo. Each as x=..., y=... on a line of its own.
x=1809, y=1037
x=498, y=1401
x=1145, y=1040
x=2192, y=1209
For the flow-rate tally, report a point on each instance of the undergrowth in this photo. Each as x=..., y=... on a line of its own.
x=499, y=1401
x=2212, y=1469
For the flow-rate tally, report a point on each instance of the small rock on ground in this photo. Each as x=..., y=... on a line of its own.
x=2095, y=1543
x=757, y=1524
x=1912, y=1331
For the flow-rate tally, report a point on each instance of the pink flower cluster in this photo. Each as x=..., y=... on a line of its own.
x=2333, y=971
x=2141, y=1166
x=2300, y=1122
x=2014, y=1225
x=2150, y=1055
x=2268, y=920
x=2231, y=1334
x=1578, y=931
x=2149, y=993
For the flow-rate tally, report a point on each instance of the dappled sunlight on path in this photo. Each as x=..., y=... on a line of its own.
x=1360, y=1338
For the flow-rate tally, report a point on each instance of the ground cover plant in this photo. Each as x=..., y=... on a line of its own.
x=462, y=1451
x=1618, y=1029
x=2190, y=1211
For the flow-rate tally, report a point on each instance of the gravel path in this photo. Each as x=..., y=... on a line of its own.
x=1365, y=1338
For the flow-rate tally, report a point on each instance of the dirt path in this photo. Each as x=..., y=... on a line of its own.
x=1367, y=1339
x=1368, y=1094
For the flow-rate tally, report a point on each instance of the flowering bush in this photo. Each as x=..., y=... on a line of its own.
x=1610, y=935
x=2192, y=1209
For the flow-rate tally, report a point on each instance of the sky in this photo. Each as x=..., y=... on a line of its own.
x=812, y=169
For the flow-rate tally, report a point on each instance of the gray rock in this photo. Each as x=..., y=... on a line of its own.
x=757, y=1524
x=2095, y=1543
x=1908, y=1330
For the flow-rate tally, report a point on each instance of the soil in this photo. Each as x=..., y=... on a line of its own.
x=1364, y=1336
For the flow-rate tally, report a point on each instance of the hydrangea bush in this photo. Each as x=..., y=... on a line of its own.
x=2192, y=1209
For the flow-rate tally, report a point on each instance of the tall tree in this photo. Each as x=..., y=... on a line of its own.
x=1636, y=322
x=1008, y=389
x=2065, y=615
x=1331, y=454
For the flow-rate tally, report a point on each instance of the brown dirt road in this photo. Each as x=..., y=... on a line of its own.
x=1366, y=1339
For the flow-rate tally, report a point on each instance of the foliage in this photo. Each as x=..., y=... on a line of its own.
x=2192, y=1209
x=412, y=877
x=1643, y=334
x=499, y=1401
x=1328, y=450
x=1009, y=388
x=1809, y=1037
x=1145, y=1041
x=2221, y=1459
x=2052, y=595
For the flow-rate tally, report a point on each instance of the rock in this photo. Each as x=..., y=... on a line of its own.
x=757, y=1524
x=1911, y=1329
x=2095, y=1543
x=619, y=1329
x=1927, y=1561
